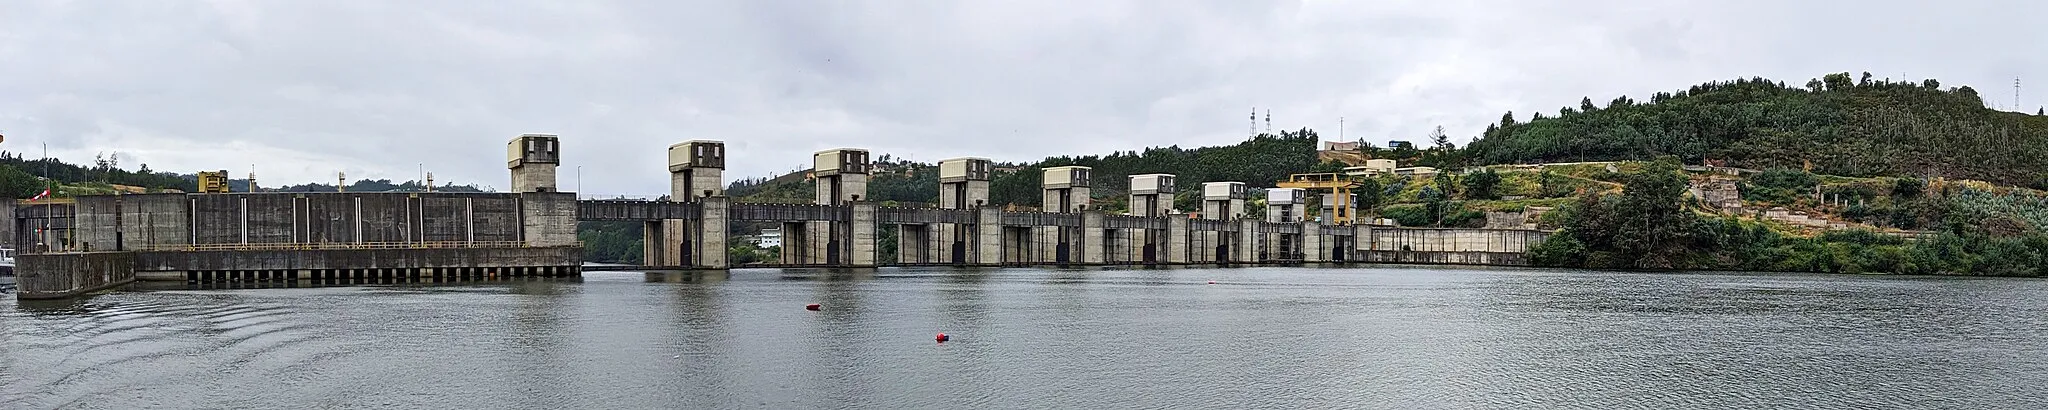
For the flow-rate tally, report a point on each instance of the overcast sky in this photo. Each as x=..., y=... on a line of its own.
x=301, y=89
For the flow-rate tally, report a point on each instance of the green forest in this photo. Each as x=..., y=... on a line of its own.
x=23, y=178
x=1836, y=124
x=1258, y=161
x=1652, y=225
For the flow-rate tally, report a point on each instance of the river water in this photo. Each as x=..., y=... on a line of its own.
x=1027, y=338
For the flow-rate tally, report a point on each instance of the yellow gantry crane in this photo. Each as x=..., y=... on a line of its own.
x=1337, y=186
x=213, y=182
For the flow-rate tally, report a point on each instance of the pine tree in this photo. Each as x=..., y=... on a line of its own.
x=1438, y=138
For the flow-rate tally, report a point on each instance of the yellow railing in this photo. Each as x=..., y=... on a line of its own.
x=1317, y=181
x=47, y=201
x=343, y=246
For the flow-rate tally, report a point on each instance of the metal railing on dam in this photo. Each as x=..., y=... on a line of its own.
x=905, y=215
x=1133, y=222
x=789, y=212
x=630, y=210
x=340, y=246
x=1041, y=219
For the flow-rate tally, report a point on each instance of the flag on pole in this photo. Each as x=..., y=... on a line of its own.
x=45, y=194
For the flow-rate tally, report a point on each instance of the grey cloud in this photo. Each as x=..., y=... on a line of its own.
x=305, y=88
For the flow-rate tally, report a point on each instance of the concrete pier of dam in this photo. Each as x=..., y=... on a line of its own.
x=89, y=243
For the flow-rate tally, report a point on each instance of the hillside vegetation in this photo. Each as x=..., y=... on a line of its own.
x=1651, y=224
x=1834, y=124
x=1259, y=162
x=23, y=178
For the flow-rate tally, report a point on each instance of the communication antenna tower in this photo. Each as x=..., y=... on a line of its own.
x=1253, y=130
x=1269, y=121
x=2016, y=94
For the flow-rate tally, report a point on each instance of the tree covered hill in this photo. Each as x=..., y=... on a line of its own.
x=1838, y=124
x=1258, y=161
x=23, y=177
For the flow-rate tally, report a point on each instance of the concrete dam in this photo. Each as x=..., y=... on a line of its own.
x=84, y=244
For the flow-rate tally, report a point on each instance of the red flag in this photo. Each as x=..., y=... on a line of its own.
x=45, y=194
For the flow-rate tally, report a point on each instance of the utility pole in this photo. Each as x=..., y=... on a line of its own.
x=579, y=181
x=49, y=212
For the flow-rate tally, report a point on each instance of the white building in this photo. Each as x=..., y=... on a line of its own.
x=771, y=237
x=1373, y=167
x=1421, y=172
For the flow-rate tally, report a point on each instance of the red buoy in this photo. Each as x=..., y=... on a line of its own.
x=1212, y=282
x=812, y=306
x=943, y=338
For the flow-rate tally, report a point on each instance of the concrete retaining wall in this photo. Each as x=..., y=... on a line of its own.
x=549, y=219
x=60, y=275
x=150, y=221
x=1449, y=240
x=123, y=222
x=1506, y=247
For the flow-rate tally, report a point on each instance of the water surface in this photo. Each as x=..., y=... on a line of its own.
x=1029, y=338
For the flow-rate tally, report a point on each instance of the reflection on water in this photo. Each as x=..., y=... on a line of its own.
x=329, y=283
x=693, y=277
x=1258, y=338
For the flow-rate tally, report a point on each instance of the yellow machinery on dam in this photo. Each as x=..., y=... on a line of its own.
x=213, y=182
x=1337, y=196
